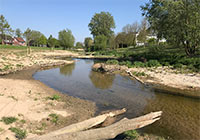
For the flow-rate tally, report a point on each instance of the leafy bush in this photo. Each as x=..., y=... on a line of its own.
x=54, y=118
x=138, y=64
x=113, y=62
x=178, y=65
x=54, y=97
x=153, y=63
x=9, y=120
x=19, y=133
x=131, y=135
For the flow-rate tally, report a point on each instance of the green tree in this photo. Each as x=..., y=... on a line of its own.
x=100, y=42
x=43, y=40
x=52, y=42
x=18, y=32
x=4, y=27
x=88, y=42
x=177, y=21
x=143, y=31
x=66, y=39
x=102, y=24
x=27, y=34
x=79, y=45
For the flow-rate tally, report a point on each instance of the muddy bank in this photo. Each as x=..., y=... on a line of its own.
x=161, y=78
x=37, y=108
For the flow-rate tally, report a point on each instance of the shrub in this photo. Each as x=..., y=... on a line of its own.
x=9, y=120
x=153, y=63
x=178, y=65
x=19, y=133
x=114, y=62
x=54, y=97
x=54, y=118
x=138, y=64
x=131, y=135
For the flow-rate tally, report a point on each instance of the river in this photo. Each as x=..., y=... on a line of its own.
x=181, y=115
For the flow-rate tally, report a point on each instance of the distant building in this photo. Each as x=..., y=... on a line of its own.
x=18, y=41
x=148, y=37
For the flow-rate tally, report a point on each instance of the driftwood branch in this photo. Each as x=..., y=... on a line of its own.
x=76, y=131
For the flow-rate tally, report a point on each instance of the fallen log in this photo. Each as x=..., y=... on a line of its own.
x=138, y=79
x=108, y=132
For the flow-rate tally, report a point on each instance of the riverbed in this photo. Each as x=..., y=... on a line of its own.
x=181, y=115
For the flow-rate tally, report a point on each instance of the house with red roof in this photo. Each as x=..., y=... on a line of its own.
x=18, y=41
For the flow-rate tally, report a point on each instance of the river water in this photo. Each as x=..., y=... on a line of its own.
x=181, y=115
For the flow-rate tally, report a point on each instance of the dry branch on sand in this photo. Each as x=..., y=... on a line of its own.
x=80, y=130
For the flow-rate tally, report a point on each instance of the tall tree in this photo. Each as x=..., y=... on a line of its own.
x=88, y=43
x=176, y=20
x=42, y=40
x=66, y=39
x=52, y=42
x=100, y=42
x=18, y=32
x=102, y=24
x=143, y=31
x=27, y=34
x=4, y=27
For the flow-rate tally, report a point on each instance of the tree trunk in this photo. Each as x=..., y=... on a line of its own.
x=108, y=132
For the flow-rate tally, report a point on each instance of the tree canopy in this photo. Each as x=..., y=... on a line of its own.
x=4, y=27
x=176, y=20
x=102, y=24
x=18, y=32
x=66, y=39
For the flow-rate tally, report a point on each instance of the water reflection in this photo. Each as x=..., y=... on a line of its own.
x=180, y=118
x=67, y=69
x=102, y=81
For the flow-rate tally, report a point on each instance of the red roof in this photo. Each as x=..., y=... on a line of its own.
x=19, y=39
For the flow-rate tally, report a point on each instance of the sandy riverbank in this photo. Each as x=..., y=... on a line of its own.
x=30, y=101
x=164, y=77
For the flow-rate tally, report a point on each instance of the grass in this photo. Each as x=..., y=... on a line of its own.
x=154, y=56
x=8, y=120
x=54, y=118
x=13, y=97
x=131, y=135
x=11, y=47
x=54, y=97
x=19, y=133
x=1, y=129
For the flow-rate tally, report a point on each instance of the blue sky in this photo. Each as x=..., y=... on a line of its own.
x=51, y=16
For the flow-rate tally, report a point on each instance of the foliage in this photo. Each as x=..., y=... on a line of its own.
x=143, y=31
x=102, y=24
x=177, y=21
x=9, y=120
x=18, y=32
x=54, y=118
x=100, y=42
x=153, y=63
x=54, y=97
x=4, y=26
x=27, y=35
x=52, y=42
x=113, y=62
x=66, y=39
x=88, y=43
x=79, y=45
x=19, y=133
x=43, y=41
x=131, y=135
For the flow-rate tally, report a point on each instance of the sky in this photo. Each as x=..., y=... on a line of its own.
x=51, y=16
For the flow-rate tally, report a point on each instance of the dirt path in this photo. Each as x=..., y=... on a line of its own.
x=37, y=108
